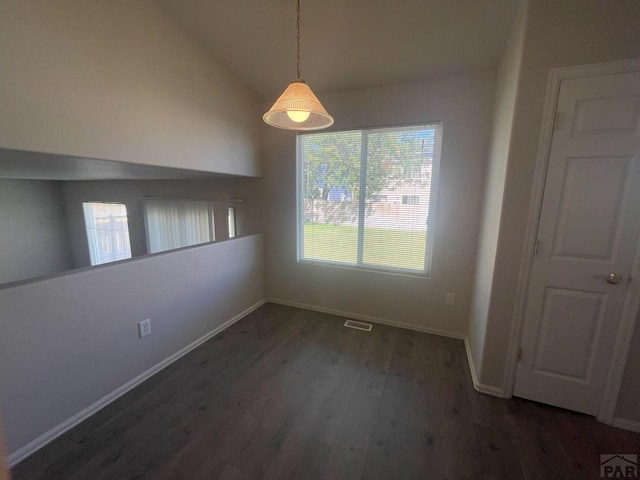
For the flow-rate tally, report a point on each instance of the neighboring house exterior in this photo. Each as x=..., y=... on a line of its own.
x=400, y=207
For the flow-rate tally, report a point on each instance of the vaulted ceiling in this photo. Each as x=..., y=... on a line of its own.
x=347, y=43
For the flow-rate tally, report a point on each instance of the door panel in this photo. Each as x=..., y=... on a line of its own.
x=589, y=226
x=574, y=314
x=607, y=115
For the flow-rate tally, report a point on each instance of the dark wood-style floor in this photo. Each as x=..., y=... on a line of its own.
x=292, y=394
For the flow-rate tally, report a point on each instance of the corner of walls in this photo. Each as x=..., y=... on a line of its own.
x=507, y=82
x=479, y=386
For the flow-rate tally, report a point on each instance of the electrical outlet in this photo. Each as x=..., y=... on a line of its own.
x=451, y=299
x=144, y=328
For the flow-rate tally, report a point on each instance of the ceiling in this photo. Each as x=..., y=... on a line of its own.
x=347, y=43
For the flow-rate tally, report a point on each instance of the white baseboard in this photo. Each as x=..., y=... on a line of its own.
x=368, y=318
x=488, y=389
x=480, y=387
x=55, y=432
x=632, y=425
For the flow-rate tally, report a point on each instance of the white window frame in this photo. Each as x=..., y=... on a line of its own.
x=93, y=239
x=431, y=216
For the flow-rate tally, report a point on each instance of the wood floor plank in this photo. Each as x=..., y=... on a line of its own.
x=229, y=472
x=352, y=439
x=424, y=443
x=290, y=394
x=385, y=456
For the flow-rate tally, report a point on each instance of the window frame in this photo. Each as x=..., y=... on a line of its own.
x=231, y=222
x=93, y=228
x=431, y=215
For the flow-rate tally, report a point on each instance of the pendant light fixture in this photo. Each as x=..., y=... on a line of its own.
x=298, y=108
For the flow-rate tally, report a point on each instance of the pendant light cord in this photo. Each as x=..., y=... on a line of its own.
x=298, y=40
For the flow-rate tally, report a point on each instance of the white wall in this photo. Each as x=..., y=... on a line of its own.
x=464, y=105
x=120, y=80
x=505, y=102
x=33, y=230
x=70, y=340
x=558, y=34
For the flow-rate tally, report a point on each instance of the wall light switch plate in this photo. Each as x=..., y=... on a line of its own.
x=144, y=328
x=451, y=299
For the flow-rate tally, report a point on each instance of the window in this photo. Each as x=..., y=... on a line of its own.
x=177, y=223
x=347, y=181
x=107, y=231
x=413, y=170
x=231, y=219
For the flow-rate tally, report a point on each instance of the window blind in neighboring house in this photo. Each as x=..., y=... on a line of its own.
x=174, y=224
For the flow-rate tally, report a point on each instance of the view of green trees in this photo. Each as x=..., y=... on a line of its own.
x=394, y=233
x=333, y=160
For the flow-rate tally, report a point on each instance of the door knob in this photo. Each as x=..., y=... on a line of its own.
x=614, y=278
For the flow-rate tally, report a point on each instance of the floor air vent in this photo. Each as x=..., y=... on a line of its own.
x=358, y=325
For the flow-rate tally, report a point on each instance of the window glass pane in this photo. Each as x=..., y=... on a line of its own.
x=387, y=225
x=399, y=168
x=231, y=219
x=107, y=231
x=330, y=189
x=177, y=223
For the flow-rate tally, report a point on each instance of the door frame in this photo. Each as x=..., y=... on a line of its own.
x=632, y=301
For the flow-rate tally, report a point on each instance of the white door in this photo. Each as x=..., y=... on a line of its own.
x=588, y=230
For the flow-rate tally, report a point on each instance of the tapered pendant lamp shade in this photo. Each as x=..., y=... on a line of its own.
x=298, y=109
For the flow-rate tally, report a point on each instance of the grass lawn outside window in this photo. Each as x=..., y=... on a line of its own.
x=321, y=245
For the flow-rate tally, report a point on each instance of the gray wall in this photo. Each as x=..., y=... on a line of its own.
x=464, y=105
x=120, y=80
x=70, y=340
x=505, y=103
x=33, y=230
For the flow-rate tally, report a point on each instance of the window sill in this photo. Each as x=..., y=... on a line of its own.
x=367, y=268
